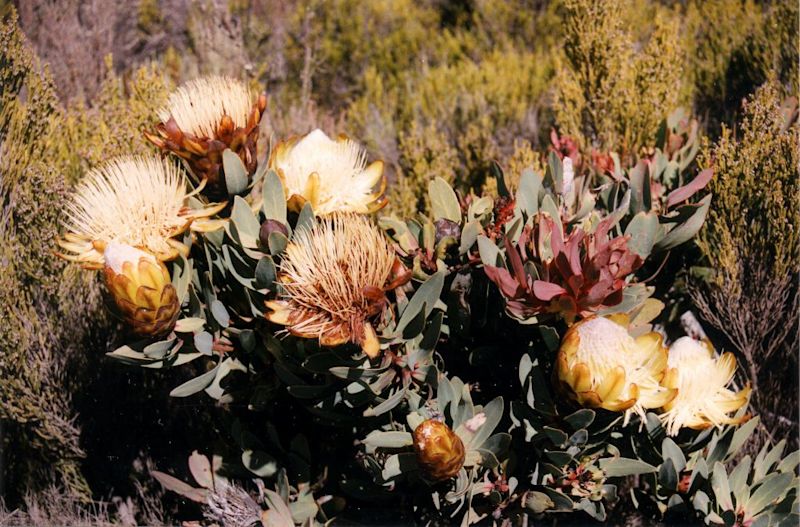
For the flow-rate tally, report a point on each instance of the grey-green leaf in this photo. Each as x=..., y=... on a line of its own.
x=530, y=185
x=424, y=298
x=444, y=202
x=235, y=172
x=195, y=385
x=685, y=231
x=220, y=313
x=259, y=463
x=642, y=230
x=274, y=198
x=620, y=466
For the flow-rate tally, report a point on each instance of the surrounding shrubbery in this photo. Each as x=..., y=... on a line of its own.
x=541, y=169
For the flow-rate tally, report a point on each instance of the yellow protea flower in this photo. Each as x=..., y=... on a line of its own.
x=332, y=175
x=334, y=275
x=439, y=451
x=204, y=117
x=702, y=380
x=142, y=291
x=135, y=201
x=602, y=366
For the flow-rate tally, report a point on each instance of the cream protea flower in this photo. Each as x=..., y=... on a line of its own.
x=603, y=366
x=701, y=379
x=135, y=201
x=332, y=175
x=141, y=288
x=334, y=276
x=204, y=117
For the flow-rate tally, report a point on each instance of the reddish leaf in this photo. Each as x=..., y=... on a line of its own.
x=547, y=290
x=685, y=192
x=508, y=286
x=516, y=263
x=598, y=292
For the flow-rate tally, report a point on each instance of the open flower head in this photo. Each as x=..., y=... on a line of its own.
x=334, y=275
x=332, y=175
x=702, y=381
x=204, y=117
x=135, y=201
x=141, y=288
x=603, y=366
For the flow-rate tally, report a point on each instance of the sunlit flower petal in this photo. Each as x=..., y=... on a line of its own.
x=602, y=365
x=332, y=175
x=135, y=201
x=702, y=381
x=141, y=288
x=440, y=452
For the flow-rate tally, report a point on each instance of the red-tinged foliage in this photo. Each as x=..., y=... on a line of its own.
x=573, y=275
x=565, y=146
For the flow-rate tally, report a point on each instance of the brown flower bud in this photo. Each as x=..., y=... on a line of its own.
x=267, y=228
x=440, y=452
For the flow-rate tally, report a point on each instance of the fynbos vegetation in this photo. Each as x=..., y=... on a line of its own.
x=289, y=263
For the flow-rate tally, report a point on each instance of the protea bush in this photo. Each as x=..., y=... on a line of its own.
x=500, y=360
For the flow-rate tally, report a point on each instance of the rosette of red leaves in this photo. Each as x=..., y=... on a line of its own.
x=575, y=274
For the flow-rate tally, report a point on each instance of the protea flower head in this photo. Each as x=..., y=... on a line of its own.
x=204, y=117
x=142, y=291
x=135, y=201
x=576, y=276
x=440, y=452
x=335, y=275
x=602, y=366
x=702, y=381
x=332, y=175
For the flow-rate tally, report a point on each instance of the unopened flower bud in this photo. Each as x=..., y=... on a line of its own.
x=445, y=228
x=267, y=228
x=142, y=290
x=440, y=452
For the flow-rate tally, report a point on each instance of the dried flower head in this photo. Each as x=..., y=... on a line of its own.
x=334, y=277
x=603, y=366
x=204, y=117
x=332, y=175
x=702, y=380
x=136, y=201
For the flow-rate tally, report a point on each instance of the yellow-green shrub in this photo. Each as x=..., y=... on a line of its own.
x=345, y=37
x=612, y=90
x=733, y=45
x=457, y=118
x=50, y=312
x=751, y=243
